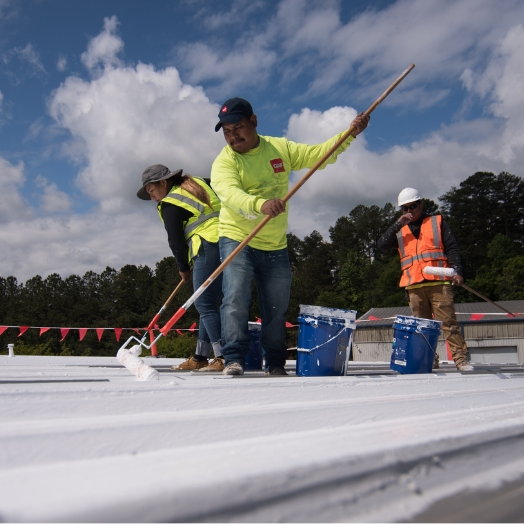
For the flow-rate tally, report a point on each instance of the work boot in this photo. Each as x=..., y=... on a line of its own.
x=436, y=362
x=217, y=364
x=464, y=366
x=233, y=368
x=191, y=364
x=276, y=372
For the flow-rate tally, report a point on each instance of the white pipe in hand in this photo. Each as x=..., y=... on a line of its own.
x=440, y=271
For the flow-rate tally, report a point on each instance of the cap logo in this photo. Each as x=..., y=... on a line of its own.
x=278, y=165
x=224, y=109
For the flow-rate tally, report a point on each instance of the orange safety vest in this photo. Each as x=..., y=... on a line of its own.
x=416, y=254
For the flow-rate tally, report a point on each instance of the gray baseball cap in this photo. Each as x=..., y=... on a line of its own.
x=155, y=173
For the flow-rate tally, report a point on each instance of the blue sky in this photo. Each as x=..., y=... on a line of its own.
x=93, y=92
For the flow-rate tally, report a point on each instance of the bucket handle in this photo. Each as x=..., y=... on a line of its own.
x=323, y=343
x=434, y=351
x=350, y=342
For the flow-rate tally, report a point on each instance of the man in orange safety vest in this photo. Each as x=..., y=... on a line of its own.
x=426, y=240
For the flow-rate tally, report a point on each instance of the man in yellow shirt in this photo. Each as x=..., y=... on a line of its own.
x=250, y=176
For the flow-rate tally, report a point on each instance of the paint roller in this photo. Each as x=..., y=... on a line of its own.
x=440, y=271
x=450, y=273
x=130, y=359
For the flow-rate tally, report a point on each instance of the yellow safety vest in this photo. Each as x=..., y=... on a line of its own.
x=204, y=220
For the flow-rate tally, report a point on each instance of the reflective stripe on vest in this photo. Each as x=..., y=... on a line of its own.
x=200, y=208
x=189, y=229
x=427, y=250
x=203, y=223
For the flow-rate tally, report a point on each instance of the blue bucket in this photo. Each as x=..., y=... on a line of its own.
x=254, y=359
x=414, y=344
x=324, y=340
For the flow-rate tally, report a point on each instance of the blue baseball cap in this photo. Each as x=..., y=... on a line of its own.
x=232, y=111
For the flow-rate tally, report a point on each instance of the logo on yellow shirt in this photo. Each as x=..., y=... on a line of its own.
x=278, y=165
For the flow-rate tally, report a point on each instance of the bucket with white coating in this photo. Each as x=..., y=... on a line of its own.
x=324, y=340
x=414, y=344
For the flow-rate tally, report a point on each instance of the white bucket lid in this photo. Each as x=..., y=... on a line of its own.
x=348, y=316
x=418, y=322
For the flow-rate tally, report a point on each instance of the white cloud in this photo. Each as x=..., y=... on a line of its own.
x=119, y=122
x=250, y=66
x=102, y=51
x=61, y=63
x=129, y=118
x=362, y=177
x=240, y=12
x=7, y=10
x=76, y=244
x=307, y=42
x=21, y=63
x=434, y=164
x=507, y=94
x=52, y=199
x=13, y=206
x=31, y=56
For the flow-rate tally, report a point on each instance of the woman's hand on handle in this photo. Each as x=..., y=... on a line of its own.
x=185, y=275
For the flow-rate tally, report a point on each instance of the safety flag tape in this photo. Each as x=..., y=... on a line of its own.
x=82, y=331
x=472, y=316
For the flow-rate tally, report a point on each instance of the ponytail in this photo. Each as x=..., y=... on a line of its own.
x=188, y=183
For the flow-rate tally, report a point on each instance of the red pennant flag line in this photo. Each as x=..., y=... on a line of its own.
x=64, y=331
x=472, y=316
x=23, y=329
x=82, y=331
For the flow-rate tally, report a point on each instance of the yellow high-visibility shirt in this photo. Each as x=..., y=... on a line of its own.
x=243, y=182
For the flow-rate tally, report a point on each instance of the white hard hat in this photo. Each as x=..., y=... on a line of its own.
x=407, y=195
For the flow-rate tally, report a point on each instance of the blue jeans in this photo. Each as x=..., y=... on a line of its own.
x=208, y=303
x=271, y=272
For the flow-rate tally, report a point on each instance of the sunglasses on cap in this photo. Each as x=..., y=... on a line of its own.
x=410, y=207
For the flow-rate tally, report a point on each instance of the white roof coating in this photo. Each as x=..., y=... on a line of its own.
x=82, y=440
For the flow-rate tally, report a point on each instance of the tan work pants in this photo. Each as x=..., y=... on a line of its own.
x=437, y=302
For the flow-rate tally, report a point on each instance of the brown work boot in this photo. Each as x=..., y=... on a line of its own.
x=436, y=362
x=217, y=365
x=464, y=366
x=191, y=364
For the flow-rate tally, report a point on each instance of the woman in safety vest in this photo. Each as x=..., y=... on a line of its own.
x=189, y=209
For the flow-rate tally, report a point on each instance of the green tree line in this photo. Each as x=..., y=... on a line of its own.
x=486, y=215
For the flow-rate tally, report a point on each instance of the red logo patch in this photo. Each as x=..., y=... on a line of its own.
x=224, y=109
x=278, y=165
